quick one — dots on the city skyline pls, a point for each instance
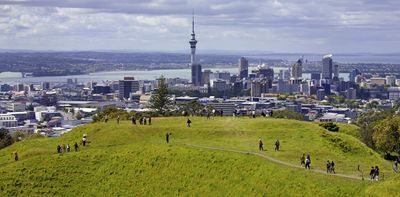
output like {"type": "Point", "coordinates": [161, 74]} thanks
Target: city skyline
{"type": "Point", "coordinates": [270, 26]}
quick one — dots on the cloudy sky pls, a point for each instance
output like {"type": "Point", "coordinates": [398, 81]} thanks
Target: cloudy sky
{"type": "Point", "coordinates": [301, 26]}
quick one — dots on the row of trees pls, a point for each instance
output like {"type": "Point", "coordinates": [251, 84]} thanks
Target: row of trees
{"type": "Point", "coordinates": [386, 135]}
{"type": "Point", "coordinates": [368, 121]}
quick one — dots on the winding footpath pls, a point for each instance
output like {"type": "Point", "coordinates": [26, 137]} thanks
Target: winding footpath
{"type": "Point", "coordinates": [273, 160]}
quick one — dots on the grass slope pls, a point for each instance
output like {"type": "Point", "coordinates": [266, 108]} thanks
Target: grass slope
{"type": "Point", "coordinates": [126, 160]}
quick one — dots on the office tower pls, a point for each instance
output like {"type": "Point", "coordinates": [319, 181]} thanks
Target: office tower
{"type": "Point", "coordinates": [351, 94]}
{"type": "Point", "coordinates": [206, 76]}
{"type": "Point", "coordinates": [195, 66]}
{"type": "Point", "coordinates": [265, 72]}
{"type": "Point", "coordinates": [127, 86]}
{"type": "Point", "coordinates": [320, 94]}
{"type": "Point", "coordinates": [315, 76]}
{"type": "Point", "coordinates": [336, 71]}
{"type": "Point", "coordinates": [327, 68]}
{"type": "Point", "coordinates": [255, 89]}
{"type": "Point", "coordinates": [45, 86]}
{"type": "Point", "coordinates": [297, 70]}
{"type": "Point", "coordinates": [243, 68]}
{"type": "Point", "coordinates": [353, 74]}
{"type": "Point", "coordinates": [284, 74]}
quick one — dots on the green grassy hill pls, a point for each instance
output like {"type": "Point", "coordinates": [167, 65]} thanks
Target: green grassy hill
{"type": "Point", "coordinates": [135, 160]}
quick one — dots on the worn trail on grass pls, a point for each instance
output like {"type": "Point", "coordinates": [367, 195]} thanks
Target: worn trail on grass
{"type": "Point", "coordinates": [273, 160]}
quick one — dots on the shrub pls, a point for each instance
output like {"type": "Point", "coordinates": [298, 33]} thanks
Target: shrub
{"type": "Point", "coordinates": [330, 126]}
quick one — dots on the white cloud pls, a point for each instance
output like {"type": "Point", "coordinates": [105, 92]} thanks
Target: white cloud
{"type": "Point", "coordinates": [272, 25]}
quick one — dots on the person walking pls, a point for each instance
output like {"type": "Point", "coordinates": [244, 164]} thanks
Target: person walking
{"type": "Point", "coordinates": [145, 121]}
{"type": "Point", "coordinates": [260, 145]}
{"type": "Point", "coordinates": [167, 137]}
{"type": "Point", "coordinates": [277, 145]}
{"type": "Point", "coordinates": [372, 173]}
{"type": "Point", "coordinates": [188, 122]}
{"type": "Point", "coordinates": [328, 167]}
{"type": "Point", "coordinates": [58, 148]}
{"type": "Point", "coordinates": [15, 155]}
{"type": "Point", "coordinates": [149, 120]}
{"type": "Point", "coordinates": [308, 162]}
{"type": "Point", "coordinates": [333, 167]}
{"type": "Point", "coordinates": [84, 141]}
{"type": "Point", "coordinates": [76, 147]}
{"type": "Point", "coordinates": [133, 120]}
{"type": "Point", "coordinates": [118, 119]}
{"type": "Point", "coordinates": [303, 160]}
{"type": "Point", "coordinates": [376, 174]}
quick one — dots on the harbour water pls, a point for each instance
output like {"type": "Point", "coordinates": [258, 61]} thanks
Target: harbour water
{"type": "Point", "coordinates": [14, 77]}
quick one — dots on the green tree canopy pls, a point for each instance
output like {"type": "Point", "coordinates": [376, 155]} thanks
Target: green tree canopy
{"type": "Point", "coordinates": [160, 101]}
{"type": "Point", "coordinates": [386, 134]}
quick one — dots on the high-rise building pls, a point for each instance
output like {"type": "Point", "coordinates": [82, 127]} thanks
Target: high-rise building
{"type": "Point", "coordinates": [327, 67]}
{"type": "Point", "coordinates": [127, 86]}
{"type": "Point", "coordinates": [45, 86]}
{"type": "Point", "coordinates": [195, 66]}
{"type": "Point", "coordinates": [206, 76]}
{"type": "Point", "coordinates": [297, 70]}
{"type": "Point", "coordinates": [284, 74]}
{"type": "Point", "coordinates": [243, 68]}
{"type": "Point", "coordinates": [255, 89]}
{"type": "Point", "coordinates": [336, 71]}
{"type": "Point", "coordinates": [353, 74]}
{"type": "Point", "coordinates": [265, 72]}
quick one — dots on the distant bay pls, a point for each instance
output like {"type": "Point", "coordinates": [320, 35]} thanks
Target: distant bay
{"type": "Point", "coordinates": [15, 77]}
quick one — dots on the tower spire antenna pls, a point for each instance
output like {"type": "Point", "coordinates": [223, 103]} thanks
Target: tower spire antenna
{"type": "Point", "coordinates": [193, 20]}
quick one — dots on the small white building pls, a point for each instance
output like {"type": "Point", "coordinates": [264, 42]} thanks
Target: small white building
{"type": "Point", "coordinates": [8, 121]}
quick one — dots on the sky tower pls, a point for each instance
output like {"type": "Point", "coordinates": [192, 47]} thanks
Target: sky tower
{"type": "Point", "coordinates": [195, 66]}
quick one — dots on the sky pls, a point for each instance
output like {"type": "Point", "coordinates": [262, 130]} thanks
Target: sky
{"type": "Point", "coordinates": [292, 26]}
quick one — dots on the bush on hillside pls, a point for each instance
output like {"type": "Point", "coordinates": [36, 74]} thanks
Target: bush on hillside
{"type": "Point", "coordinates": [113, 113]}
{"type": "Point", "coordinates": [5, 138]}
{"type": "Point", "coordinates": [287, 114]}
{"type": "Point", "coordinates": [330, 126]}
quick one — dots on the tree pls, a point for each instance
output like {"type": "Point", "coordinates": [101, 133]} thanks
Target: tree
{"type": "Point", "coordinates": [5, 138]}
{"type": "Point", "coordinates": [78, 116]}
{"type": "Point", "coordinates": [386, 135]}
{"type": "Point", "coordinates": [160, 100]}
{"type": "Point", "coordinates": [367, 121]}
{"type": "Point", "coordinates": [30, 107]}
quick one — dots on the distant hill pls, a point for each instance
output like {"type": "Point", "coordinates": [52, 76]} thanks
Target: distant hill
{"type": "Point", "coordinates": [128, 160]}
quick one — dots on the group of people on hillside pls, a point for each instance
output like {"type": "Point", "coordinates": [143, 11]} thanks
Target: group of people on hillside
{"type": "Point", "coordinates": [374, 173]}
{"type": "Point", "coordinates": [330, 167]}
{"type": "Point", "coordinates": [261, 145]}
{"type": "Point", "coordinates": [305, 161]}
{"type": "Point", "coordinates": [142, 120]}
{"type": "Point", "coordinates": [62, 148]}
